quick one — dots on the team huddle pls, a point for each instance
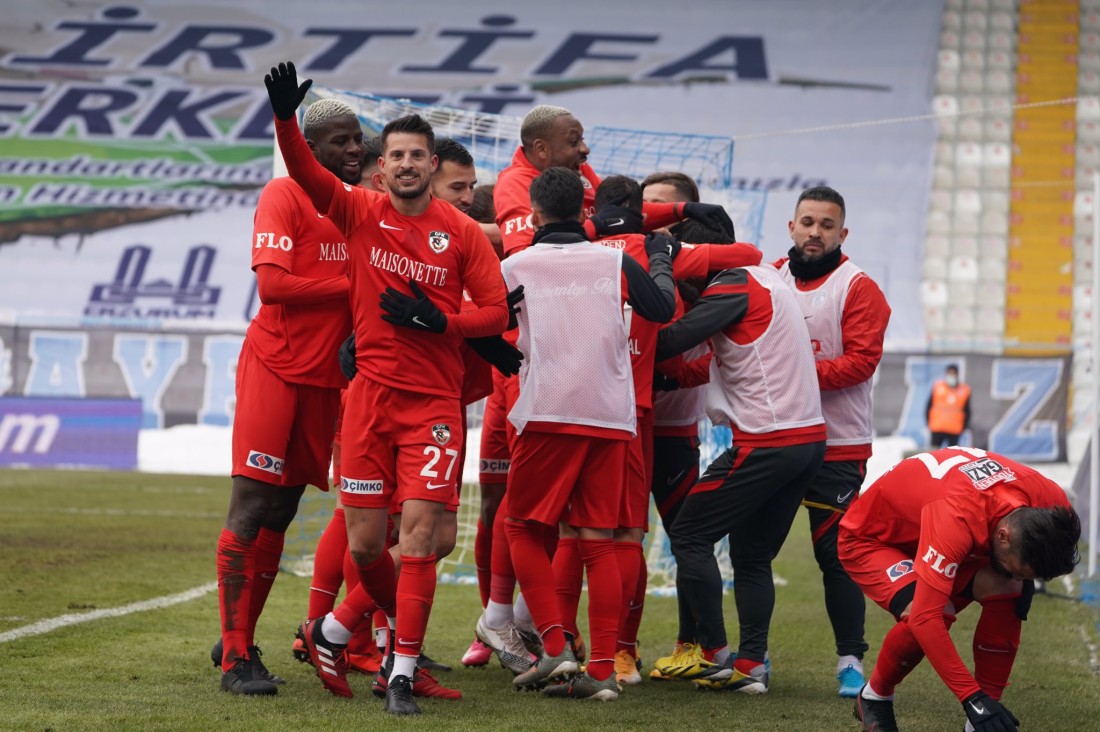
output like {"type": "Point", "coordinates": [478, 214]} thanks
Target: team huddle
{"type": "Point", "coordinates": [601, 320]}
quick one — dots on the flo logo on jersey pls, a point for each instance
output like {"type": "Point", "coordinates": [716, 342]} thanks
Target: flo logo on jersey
{"type": "Point", "coordinates": [939, 563]}
{"type": "Point", "coordinates": [354, 485]}
{"type": "Point", "coordinates": [439, 241]}
{"type": "Point", "coordinates": [441, 433]}
{"type": "Point", "coordinates": [265, 462]}
{"type": "Point", "coordinates": [899, 570]}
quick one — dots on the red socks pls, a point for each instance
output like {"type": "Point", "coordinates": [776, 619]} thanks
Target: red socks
{"type": "Point", "coordinates": [483, 557]}
{"type": "Point", "coordinates": [900, 654]}
{"type": "Point", "coordinates": [415, 593]}
{"type": "Point", "coordinates": [631, 560]}
{"type": "Point", "coordinates": [502, 586]}
{"type": "Point", "coordinates": [604, 601]}
{"type": "Point", "coordinates": [379, 579]}
{"type": "Point", "coordinates": [265, 568]}
{"type": "Point", "coordinates": [996, 640]}
{"type": "Point", "coordinates": [536, 580]}
{"type": "Point", "coordinates": [235, 559]}
{"type": "Point", "coordinates": [356, 609]}
{"type": "Point", "coordinates": [568, 577]}
{"type": "Point", "coordinates": [328, 566]}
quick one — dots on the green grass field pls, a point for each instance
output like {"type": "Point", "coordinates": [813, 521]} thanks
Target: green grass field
{"type": "Point", "coordinates": [77, 542]}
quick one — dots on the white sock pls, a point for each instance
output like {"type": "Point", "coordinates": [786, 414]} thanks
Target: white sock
{"type": "Point", "coordinates": [846, 661]}
{"type": "Point", "coordinates": [382, 638]}
{"type": "Point", "coordinates": [497, 614]}
{"type": "Point", "coordinates": [869, 693]}
{"type": "Point", "coordinates": [403, 665]}
{"type": "Point", "coordinates": [520, 611]}
{"type": "Point", "coordinates": [334, 631]}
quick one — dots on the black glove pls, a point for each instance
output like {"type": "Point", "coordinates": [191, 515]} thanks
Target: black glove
{"type": "Point", "coordinates": [614, 218]}
{"type": "Point", "coordinates": [988, 715]}
{"type": "Point", "coordinates": [664, 383]}
{"type": "Point", "coordinates": [412, 312]}
{"type": "Point", "coordinates": [712, 215]}
{"type": "Point", "coordinates": [1023, 602]}
{"type": "Point", "coordinates": [283, 90]}
{"type": "Point", "coordinates": [515, 297]}
{"type": "Point", "coordinates": [346, 354]}
{"type": "Point", "coordinates": [661, 244]}
{"type": "Point", "coordinates": [499, 352]}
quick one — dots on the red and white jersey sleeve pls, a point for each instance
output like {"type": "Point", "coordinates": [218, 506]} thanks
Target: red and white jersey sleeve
{"type": "Point", "coordinates": [299, 341]}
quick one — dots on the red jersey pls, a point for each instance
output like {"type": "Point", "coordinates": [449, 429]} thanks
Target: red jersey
{"type": "Point", "coordinates": [694, 260]}
{"type": "Point", "coordinates": [942, 507]}
{"type": "Point", "coordinates": [442, 249]}
{"type": "Point", "coordinates": [512, 199]}
{"type": "Point", "coordinates": [298, 341]}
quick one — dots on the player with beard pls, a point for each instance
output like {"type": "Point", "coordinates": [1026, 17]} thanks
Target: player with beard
{"type": "Point", "coordinates": [846, 314]}
{"type": "Point", "coordinates": [288, 387]}
{"type": "Point", "coordinates": [940, 531]}
{"type": "Point", "coordinates": [402, 423]}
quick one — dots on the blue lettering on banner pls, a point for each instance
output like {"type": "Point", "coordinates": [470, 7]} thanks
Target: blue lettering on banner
{"type": "Point", "coordinates": [265, 462]}
{"type": "Point", "coordinates": [190, 297]}
{"type": "Point", "coordinates": [57, 359]}
{"type": "Point", "coordinates": [348, 41]}
{"type": "Point", "coordinates": [1030, 383]}
{"type": "Point", "coordinates": [219, 394]}
{"type": "Point", "coordinates": [191, 39]}
{"type": "Point", "coordinates": [354, 485]}
{"type": "Point", "coordinates": [475, 43]}
{"type": "Point", "coordinates": [93, 108]}
{"type": "Point", "coordinates": [148, 363]}
{"type": "Point", "coordinates": [93, 34]}
{"type": "Point", "coordinates": [74, 433]}
{"type": "Point", "coordinates": [921, 372]}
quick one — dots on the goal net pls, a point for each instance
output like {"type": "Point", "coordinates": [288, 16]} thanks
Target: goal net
{"type": "Point", "coordinates": [492, 139]}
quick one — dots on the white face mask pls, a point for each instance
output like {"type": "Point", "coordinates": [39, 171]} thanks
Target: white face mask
{"type": "Point", "coordinates": [952, 381]}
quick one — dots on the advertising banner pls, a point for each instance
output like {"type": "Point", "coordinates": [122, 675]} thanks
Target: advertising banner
{"type": "Point", "coordinates": [41, 432]}
{"type": "Point", "coordinates": [135, 136]}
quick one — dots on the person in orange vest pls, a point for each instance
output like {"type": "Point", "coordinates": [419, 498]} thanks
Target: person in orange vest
{"type": "Point", "coordinates": [948, 410]}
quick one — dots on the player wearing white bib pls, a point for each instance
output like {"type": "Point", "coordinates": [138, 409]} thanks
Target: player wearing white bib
{"type": "Point", "coordinates": [574, 419]}
{"type": "Point", "coordinates": [763, 386]}
{"type": "Point", "coordinates": [846, 315]}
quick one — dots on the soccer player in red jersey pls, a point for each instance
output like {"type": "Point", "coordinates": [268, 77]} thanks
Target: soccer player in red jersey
{"type": "Point", "coordinates": [763, 385]}
{"type": "Point", "coordinates": [938, 532]}
{"type": "Point", "coordinates": [846, 315]}
{"type": "Point", "coordinates": [288, 387]}
{"type": "Point", "coordinates": [574, 418]}
{"type": "Point", "coordinates": [402, 433]}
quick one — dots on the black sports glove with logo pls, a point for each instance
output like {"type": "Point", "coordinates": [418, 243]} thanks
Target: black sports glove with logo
{"type": "Point", "coordinates": [417, 312]}
{"type": "Point", "coordinates": [614, 218]}
{"type": "Point", "coordinates": [499, 352]}
{"type": "Point", "coordinates": [988, 715]}
{"type": "Point", "coordinates": [283, 90]}
{"type": "Point", "coordinates": [661, 244]}
{"type": "Point", "coordinates": [712, 215]}
{"type": "Point", "coordinates": [346, 354]}
{"type": "Point", "coordinates": [515, 297]}
{"type": "Point", "coordinates": [1023, 602]}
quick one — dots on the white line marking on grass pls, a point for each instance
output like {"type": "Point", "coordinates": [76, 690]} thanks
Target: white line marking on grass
{"type": "Point", "coordinates": [1094, 652]}
{"type": "Point", "coordinates": [45, 626]}
{"type": "Point", "coordinates": [146, 513]}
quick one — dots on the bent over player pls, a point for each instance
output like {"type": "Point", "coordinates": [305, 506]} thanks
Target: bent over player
{"type": "Point", "coordinates": [938, 532]}
{"type": "Point", "coordinates": [410, 257]}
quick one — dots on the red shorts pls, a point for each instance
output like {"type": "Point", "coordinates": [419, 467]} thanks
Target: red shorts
{"type": "Point", "coordinates": [282, 432]}
{"type": "Point", "coordinates": [509, 390]}
{"type": "Point", "coordinates": [634, 511]}
{"type": "Point", "coordinates": [884, 571]}
{"type": "Point", "coordinates": [495, 456]}
{"type": "Point", "coordinates": [398, 445]}
{"type": "Point", "coordinates": [570, 478]}
{"type": "Point", "coordinates": [336, 439]}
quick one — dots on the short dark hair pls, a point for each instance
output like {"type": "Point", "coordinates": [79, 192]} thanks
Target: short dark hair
{"type": "Point", "coordinates": [822, 193]}
{"type": "Point", "coordinates": [558, 193]}
{"type": "Point", "coordinates": [483, 209]}
{"type": "Point", "coordinates": [412, 124]}
{"type": "Point", "coordinates": [449, 149]}
{"type": "Point", "coordinates": [682, 182]}
{"type": "Point", "coordinates": [694, 232]}
{"type": "Point", "coordinates": [951, 367]}
{"type": "Point", "coordinates": [1046, 539]}
{"type": "Point", "coordinates": [619, 186]}
{"type": "Point", "coordinates": [372, 149]}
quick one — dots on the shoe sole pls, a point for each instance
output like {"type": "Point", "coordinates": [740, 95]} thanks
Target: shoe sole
{"type": "Point", "coordinates": [507, 659]}
{"type": "Point", "coordinates": [628, 679]}
{"type": "Point", "coordinates": [563, 669]}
